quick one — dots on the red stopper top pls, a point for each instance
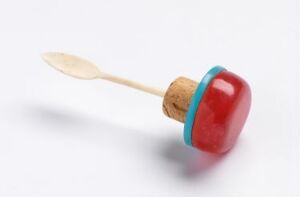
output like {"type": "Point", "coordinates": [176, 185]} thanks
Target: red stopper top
{"type": "Point", "coordinates": [222, 113]}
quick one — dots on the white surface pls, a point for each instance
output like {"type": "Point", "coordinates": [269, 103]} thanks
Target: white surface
{"type": "Point", "coordinates": [64, 137]}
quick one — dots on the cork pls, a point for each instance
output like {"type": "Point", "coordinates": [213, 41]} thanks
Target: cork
{"type": "Point", "coordinates": [178, 97]}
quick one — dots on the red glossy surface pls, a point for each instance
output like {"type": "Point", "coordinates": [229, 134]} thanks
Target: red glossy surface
{"type": "Point", "coordinates": [222, 113]}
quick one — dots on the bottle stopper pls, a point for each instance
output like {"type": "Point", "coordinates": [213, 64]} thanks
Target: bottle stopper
{"type": "Point", "coordinates": [213, 111]}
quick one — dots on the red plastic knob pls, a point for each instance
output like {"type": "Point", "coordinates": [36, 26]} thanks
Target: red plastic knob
{"type": "Point", "coordinates": [222, 113]}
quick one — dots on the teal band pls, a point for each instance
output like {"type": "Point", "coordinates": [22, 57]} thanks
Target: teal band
{"type": "Point", "coordinates": [188, 126]}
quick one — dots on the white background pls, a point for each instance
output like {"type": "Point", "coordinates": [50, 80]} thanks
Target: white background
{"type": "Point", "coordinates": [64, 137]}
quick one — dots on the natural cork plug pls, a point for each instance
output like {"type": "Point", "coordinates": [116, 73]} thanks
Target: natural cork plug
{"type": "Point", "coordinates": [178, 97]}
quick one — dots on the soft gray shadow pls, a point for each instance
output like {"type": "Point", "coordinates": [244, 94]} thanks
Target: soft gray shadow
{"type": "Point", "coordinates": [55, 117]}
{"type": "Point", "coordinates": [188, 162]}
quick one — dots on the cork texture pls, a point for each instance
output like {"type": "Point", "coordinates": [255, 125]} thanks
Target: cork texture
{"type": "Point", "coordinates": [178, 98]}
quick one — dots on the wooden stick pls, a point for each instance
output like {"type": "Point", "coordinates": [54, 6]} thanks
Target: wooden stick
{"type": "Point", "coordinates": [133, 84]}
{"type": "Point", "coordinates": [83, 69]}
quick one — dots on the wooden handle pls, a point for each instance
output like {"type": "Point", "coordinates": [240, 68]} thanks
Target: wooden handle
{"type": "Point", "coordinates": [132, 84]}
{"type": "Point", "coordinates": [83, 69]}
